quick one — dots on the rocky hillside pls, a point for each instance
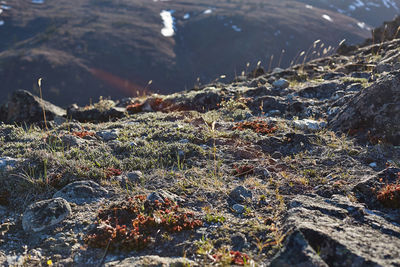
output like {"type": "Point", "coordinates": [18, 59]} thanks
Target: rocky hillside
{"type": "Point", "coordinates": [89, 48]}
{"type": "Point", "coordinates": [295, 167]}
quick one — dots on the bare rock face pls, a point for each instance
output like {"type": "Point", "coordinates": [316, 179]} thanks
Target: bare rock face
{"type": "Point", "coordinates": [374, 113]}
{"type": "Point", "coordinates": [25, 107]}
{"type": "Point", "coordinates": [44, 214]}
{"type": "Point", "coordinates": [337, 232]}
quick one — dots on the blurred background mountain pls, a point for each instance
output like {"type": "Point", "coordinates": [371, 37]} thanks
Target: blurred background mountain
{"type": "Point", "coordinates": [89, 48]}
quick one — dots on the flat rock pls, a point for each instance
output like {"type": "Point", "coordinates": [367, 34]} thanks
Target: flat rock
{"type": "Point", "coordinates": [44, 214]}
{"type": "Point", "coordinates": [152, 261]}
{"type": "Point", "coordinates": [26, 107]}
{"type": "Point", "coordinates": [240, 194]}
{"type": "Point", "coordinates": [281, 83]}
{"type": "Point", "coordinates": [108, 135]}
{"type": "Point", "coordinates": [81, 192]}
{"type": "Point", "coordinates": [328, 232]}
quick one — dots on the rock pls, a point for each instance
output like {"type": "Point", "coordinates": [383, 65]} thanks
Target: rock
{"type": "Point", "coordinates": [238, 208]}
{"type": "Point", "coordinates": [309, 125]}
{"type": "Point", "coordinates": [374, 112]}
{"type": "Point", "coordinates": [281, 84]}
{"type": "Point", "coordinates": [81, 192]}
{"type": "Point", "coordinates": [383, 67]}
{"type": "Point", "coordinates": [152, 261]}
{"type": "Point", "coordinates": [238, 241]}
{"type": "Point", "coordinates": [160, 195]}
{"type": "Point", "coordinates": [23, 107]}
{"type": "Point", "coordinates": [44, 214]}
{"type": "Point", "coordinates": [71, 140]}
{"type": "Point", "coordinates": [321, 91]}
{"type": "Point", "coordinates": [297, 253]}
{"type": "Point", "coordinates": [131, 178]}
{"type": "Point", "coordinates": [8, 163]}
{"type": "Point", "coordinates": [332, 231]}
{"type": "Point", "coordinates": [108, 135]}
{"type": "Point", "coordinates": [95, 114]}
{"type": "Point", "coordinates": [240, 194]}
{"type": "Point", "coordinates": [370, 185]}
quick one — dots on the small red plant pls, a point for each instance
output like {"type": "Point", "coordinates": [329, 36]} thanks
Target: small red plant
{"type": "Point", "coordinates": [389, 195]}
{"type": "Point", "coordinates": [237, 257]}
{"type": "Point", "coordinates": [83, 134]}
{"type": "Point", "coordinates": [132, 224]}
{"type": "Point", "coordinates": [258, 126]}
{"type": "Point", "coordinates": [111, 172]}
{"type": "Point", "coordinates": [243, 170]}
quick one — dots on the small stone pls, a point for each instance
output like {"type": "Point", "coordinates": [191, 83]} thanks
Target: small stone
{"type": "Point", "coordinates": [373, 165]}
{"type": "Point", "coordinates": [44, 214]}
{"type": "Point", "coordinates": [238, 208]}
{"type": "Point", "coordinates": [383, 67]}
{"type": "Point", "coordinates": [108, 135]}
{"type": "Point", "coordinates": [240, 194]}
{"type": "Point", "coordinates": [309, 125]}
{"type": "Point", "coordinates": [81, 192]}
{"type": "Point", "coordinates": [276, 155]}
{"type": "Point", "coordinates": [281, 83]}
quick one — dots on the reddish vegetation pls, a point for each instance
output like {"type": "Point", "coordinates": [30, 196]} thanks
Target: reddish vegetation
{"type": "Point", "coordinates": [110, 172]}
{"type": "Point", "coordinates": [243, 170]}
{"type": "Point", "coordinates": [258, 126]}
{"type": "Point", "coordinates": [132, 224]}
{"type": "Point", "coordinates": [83, 134]}
{"type": "Point", "coordinates": [237, 257]}
{"type": "Point", "coordinates": [389, 195]}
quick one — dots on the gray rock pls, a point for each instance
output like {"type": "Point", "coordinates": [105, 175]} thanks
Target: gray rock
{"type": "Point", "coordinates": [309, 125]}
{"type": "Point", "coordinates": [238, 208]}
{"type": "Point", "coordinates": [81, 192]}
{"type": "Point", "coordinates": [238, 241]}
{"type": "Point", "coordinates": [373, 112]}
{"type": "Point", "coordinates": [108, 135]}
{"type": "Point", "coordinates": [44, 214]}
{"type": "Point", "coordinates": [25, 107]}
{"type": "Point", "coordinates": [241, 194]}
{"type": "Point", "coordinates": [8, 162]}
{"type": "Point", "coordinates": [338, 232]}
{"type": "Point", "coordinates": [383, 67]}
{"type": "Point", "coordinates": [161, 195]}
{"type": "Point", "coordinates": [152, 261]}
{"type": "Point", "coordinates": [281, 83]}
{"type": "Point", "coordinates": [71, 140]}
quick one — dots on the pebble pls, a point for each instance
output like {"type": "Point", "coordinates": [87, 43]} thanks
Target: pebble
{"type": "Point", "coordinates": [238, 208]}
{"type": "Point", "coordinates": [108, 135]}
{"type": "Point", "coordinates": [240, 194]}
{"type": "Point", "coordinates": [281, 83]}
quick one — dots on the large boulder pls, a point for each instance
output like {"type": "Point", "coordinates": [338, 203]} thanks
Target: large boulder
{"type": "Point", "coordinates": [26, 107]}
{"type": "Point", "coordinates": [374, 113]}
{"type": "Point", "coordinates": [337, 232]}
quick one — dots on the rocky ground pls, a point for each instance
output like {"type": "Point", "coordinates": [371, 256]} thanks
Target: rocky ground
{"type": "Point", "coordinates": [298, 167]}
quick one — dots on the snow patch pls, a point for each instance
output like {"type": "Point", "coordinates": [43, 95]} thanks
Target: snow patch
{"type": "Point", "coordinates": [309, 6]}
{"type": "Point", "coordinates": [326, 17]}
{"type": "Point", "coordinates": [168, 20]}
{"type": "Point", "coordinates": [38, 1]}
{"type": "Point", "coordinates": [186, 16]}
{"type": "Point", "coordinates": [207, 11]}
{"type": "Point", "coordinates": [1, 22]}
{"type": "Point", "coordinates": [236, 28]}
